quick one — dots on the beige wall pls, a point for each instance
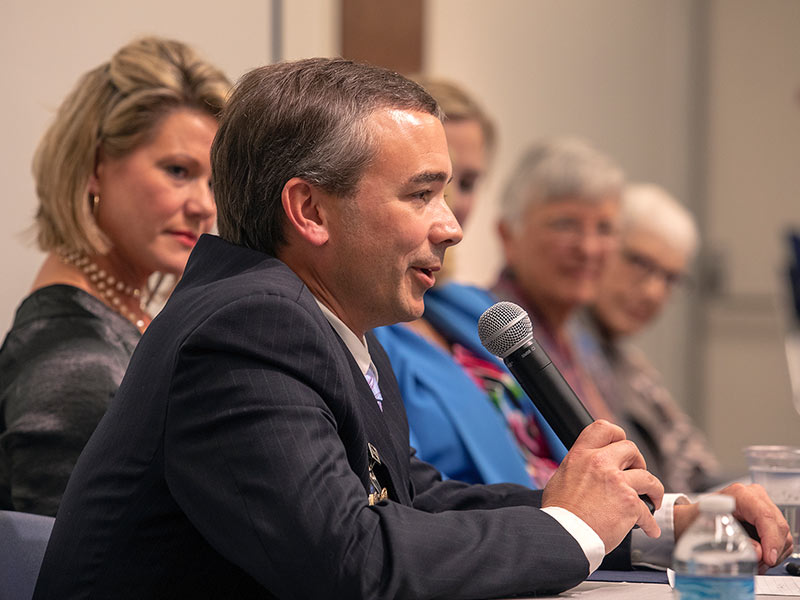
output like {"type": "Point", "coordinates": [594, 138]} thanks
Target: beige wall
{"type": "Point", "coordinates": [752, 183]}
{"type": "Point", "coordinates": [310, 28]}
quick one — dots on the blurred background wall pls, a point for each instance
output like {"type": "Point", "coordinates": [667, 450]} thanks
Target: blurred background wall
{"type": "Point", "coordinates": [698, 96]}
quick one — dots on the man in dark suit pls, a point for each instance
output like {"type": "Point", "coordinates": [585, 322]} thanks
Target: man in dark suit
{"type": "Point", "coordinates": [257, 447]}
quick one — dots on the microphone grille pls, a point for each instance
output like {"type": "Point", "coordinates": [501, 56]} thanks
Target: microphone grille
{"type": "Point", "coordinates": [504, 327]}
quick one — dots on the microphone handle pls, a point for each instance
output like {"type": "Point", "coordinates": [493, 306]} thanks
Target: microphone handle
{"type": "Point", "coordinates": [556, 400]}
{"type": "Point", "coordinates": [549, 391]}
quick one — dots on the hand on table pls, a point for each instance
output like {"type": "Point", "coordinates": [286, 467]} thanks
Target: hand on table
{"type": "Point", "coordinates": [752, 506]}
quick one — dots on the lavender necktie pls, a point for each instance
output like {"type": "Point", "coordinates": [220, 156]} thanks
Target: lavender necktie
{"type": "Point", "coordinates": [372, 380]}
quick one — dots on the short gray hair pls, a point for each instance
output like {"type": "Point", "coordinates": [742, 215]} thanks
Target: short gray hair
{"type": "Point", "coordinates": [556, 169]}
{"type": "Point", "coordinates": [650, 207]}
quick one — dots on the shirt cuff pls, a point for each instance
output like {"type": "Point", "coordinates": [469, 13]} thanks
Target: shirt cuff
{"type": "Point", "coordinates": [657, 552]}
{"type": "Point", "coordinates": [591, 544]}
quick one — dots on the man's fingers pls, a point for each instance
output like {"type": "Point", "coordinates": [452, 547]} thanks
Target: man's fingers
{"type": "Point", "coordinates": [617, 451]}
{"type": "Point", "coordinates": [754, 506]}
{"type": "Point", "coordinates": [599, 434]}
{"type": "Point", "coordinates": [647, 522]}
{"type": "Point", "coordinates": [623, 455]}
{"type": "Point", "coordinates": [647, 484]}
{"type": "Point", "coordinates": [772, 533]}
{"type": "Point", "coordinates": [640, 482]}
{"type": "Point", "coordinates": [762, 566]}
{"type": "Point", "coordinates": [757, 548]}
{"type": "Point", "coordinates": [788, 546]}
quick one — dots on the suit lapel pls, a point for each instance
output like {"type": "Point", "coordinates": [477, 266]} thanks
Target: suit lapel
{"type": "Point", "coordinates": [380, 429]}
{"type": "Point", "coordinates": [394, 416]}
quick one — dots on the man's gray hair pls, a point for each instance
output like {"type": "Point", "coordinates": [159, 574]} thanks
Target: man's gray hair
{"type": "Point", "coordinates": [562, 168]}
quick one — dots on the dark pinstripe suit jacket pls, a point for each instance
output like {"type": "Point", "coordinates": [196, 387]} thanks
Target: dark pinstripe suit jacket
{"type": "Point", "coordinates": [233, 463]}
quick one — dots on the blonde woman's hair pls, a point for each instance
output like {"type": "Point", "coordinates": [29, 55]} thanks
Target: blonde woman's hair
{"type": "Point", "coordinates": [113, 109]}
{"type": "Point", "coordinates": [458, 105]}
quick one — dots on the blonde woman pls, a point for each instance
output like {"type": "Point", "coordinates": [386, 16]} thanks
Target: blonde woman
{"type": "Point", "coordinates": [123, 180]}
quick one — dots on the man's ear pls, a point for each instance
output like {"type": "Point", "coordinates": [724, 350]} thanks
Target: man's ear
{"type": "Point", "coordinates": [305, 211]}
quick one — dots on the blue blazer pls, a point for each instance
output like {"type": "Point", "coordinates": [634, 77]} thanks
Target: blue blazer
{"type": "Point", "coordinates": [453, 424]}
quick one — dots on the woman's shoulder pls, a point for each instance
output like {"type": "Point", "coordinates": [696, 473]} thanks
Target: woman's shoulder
{"type": "Point", "coordinates": [62, 324]}
{"type": "Point", "coordinates": [56, 301]}
{"type": "Point", "coordinates": [62, 358]}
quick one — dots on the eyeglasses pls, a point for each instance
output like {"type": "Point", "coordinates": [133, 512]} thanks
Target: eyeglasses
{"type": "Point", "coordinates": [644, 267]}
{"type": "Point", "coordinates": [573, 231]}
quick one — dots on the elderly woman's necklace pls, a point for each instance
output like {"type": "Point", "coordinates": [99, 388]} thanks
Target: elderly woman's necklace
{"type": "Point", "coordinates": [107, 286]}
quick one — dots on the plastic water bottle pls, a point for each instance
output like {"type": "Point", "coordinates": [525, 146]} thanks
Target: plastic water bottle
{"type": "Point", "coordinates": [714, 558]}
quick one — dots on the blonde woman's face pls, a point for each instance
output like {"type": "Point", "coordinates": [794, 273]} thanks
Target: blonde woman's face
{"type": "Point", "coordinates": [157, 200]}
{"type": "Point", "coordinates": [467, 149]}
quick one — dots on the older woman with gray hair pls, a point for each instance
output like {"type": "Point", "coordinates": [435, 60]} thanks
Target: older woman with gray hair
{"type": "Point", "coordinates": [658, 238]}
{"type": "Point", "coordinates": [558, 224]}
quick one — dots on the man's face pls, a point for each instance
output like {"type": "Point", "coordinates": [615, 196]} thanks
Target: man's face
{"type": "Point", "coordinates": [559, 249]}
{"type": "Point", "coordinates": [388, 240]}
{"type": "Point", "coordinates": [637, 281]}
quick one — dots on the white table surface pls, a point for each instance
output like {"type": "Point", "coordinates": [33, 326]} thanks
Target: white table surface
{"type": "Point", "coordinates": [605, 590]}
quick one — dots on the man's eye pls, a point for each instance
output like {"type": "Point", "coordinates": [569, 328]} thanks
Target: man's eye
{"type": "Point", "coordinates": [422, 195]}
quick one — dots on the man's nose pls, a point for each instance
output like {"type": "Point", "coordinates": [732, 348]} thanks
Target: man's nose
{"type": "Point", "coordinates": [446, 229]}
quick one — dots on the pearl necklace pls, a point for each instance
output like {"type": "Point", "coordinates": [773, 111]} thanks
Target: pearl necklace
{"type": "Point", "coordinates": [106, 285]}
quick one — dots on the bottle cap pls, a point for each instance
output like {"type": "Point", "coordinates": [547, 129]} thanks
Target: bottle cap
{"type": "Point", "coordinates": [717, 503]}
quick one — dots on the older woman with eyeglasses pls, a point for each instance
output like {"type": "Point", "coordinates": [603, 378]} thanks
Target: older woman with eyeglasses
{"type": "Point", "coordinates": [658, 238]}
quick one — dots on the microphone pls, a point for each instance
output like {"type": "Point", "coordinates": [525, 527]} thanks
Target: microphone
{"type": "Point", "coordinates": [506, 331]}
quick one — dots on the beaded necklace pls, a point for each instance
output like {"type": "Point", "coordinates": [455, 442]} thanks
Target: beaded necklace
{"type": "Point", "coordinates": [106, 285]}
